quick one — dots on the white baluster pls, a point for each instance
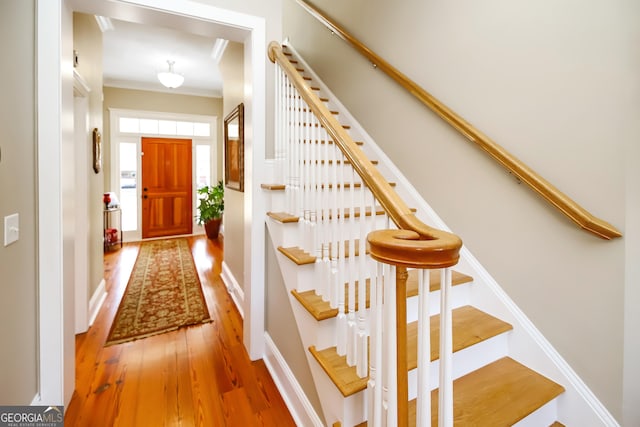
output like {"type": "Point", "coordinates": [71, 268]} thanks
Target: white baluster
{"type": "Point", "coordinates": [423, 404]}
{"type": "Point", "coordinates": [337, 248]}
{"type": "Point", "coordinates": [445, 394]}
{"type": "Point", "coordinates": [375, 364]}
{"type": "Point", "coordinates": [362, 353]}
{"type": "Point", "coordinates": [352, 273]}
{"type": "Point", "coordinates": [390, 365]}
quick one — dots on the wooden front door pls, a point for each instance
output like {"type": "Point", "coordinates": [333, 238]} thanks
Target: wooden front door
{"type": "Point", "coordinates": [166, 187]}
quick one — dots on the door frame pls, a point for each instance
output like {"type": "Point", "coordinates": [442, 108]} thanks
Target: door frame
{"type": "Point", "coordinates": [117, 136]}
{"type": "Point", "coordinates": [54, 20]}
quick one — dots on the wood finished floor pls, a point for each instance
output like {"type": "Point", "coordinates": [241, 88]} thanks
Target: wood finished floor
{"type": "Point", "coordinates": [195, 376]}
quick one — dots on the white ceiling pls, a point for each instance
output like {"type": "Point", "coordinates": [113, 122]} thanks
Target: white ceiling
{"type": "Point", "coordinates": [142, 40]}
{"type": "Point", "coordinates": [135, 53]}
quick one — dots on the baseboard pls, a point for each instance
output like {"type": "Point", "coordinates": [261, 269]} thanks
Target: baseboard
{"type": "Point", "coordinates": [294, 397]}
{"type": "Point", "coordinates": [233, 287]}
{"type": "Point", "coordinates": [96, 301]}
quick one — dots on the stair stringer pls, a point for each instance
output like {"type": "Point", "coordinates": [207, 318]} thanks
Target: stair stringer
{"type": "Point", "coordinates": [335, 407]}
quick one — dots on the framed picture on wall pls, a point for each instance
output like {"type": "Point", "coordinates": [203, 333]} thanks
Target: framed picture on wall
{"type": "Point", "coordinates": [234, 149]}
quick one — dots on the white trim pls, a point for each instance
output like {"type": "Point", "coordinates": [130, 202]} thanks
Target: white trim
{"type": "Point", "coordinates": [97, 299]}
{"type": "Point", "coordinates": [233, 287]}
{"type": "Point", "coordinates": [255, 54]}
{"type": "Point", "coordinates": [294, 397]}
{"type": "Point", "coordinates": [49, 136]}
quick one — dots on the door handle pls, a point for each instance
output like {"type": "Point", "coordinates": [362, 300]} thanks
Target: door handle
{"type": "Point", "coordinates": [145, 189]}
{"type": "Point", "coordinates": [145, 196]}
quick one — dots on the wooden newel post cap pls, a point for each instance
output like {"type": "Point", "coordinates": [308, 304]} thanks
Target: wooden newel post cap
{"type": "Point", "coordinates": [407, 248]}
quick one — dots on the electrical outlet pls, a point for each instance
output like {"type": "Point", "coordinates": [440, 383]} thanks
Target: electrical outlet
{"type": "Point", "coordinates": [11, 229]}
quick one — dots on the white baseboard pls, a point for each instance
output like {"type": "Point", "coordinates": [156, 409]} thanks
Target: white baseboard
{"type": "Point", "coordinates": [294, 397]}
{"type": "Point", "coordinates": [233, 287]}
{"type": "Point", "coordinates": [96, 301]}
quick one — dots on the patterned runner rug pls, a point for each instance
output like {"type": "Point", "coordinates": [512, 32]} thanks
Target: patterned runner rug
{"type": "Point", "coordinates": [163, 293]}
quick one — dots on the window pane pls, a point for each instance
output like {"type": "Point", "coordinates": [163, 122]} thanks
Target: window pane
{"type": "Point", "coordinates": [203, 165]}
{"type": "Point", "coordinates": [203, 168]}
{"type": "Point", "coordinates": [201, 129]}
{"type": "Point", "coordinates": [128, 125]}
{"type": "Point", "coordinates": [185, 128]}
{"type": "Point", "coordinates": [167, 127]}
{"type": "Point", "coordinates": [149, 126]}
{"type": "Point", "coordinates": [128, 184]}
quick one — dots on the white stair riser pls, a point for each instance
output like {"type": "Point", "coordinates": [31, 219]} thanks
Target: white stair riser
{"type": "Point", "coordinates": [464, 361]}
{"type": "Point", "coordinates": [544, 416]}
{"type": "Point", "coordinates": [350, 411]}
{"type": "Point", "coordinates": [459, 298]}
{"type": "Point", "coordinates": [319, 334]}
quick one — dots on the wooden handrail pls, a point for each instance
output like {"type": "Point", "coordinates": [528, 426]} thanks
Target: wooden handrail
{"type": "Point", "coordinates": [544, 188]}
{"type": "Point", "coordinates": [435, 248]}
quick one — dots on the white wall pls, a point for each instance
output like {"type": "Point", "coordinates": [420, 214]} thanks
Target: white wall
{"type": "Point", "coordinates": [550, 81]}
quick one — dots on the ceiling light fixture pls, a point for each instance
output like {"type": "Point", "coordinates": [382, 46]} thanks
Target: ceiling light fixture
{"type": "Point", "coordinates": [170, 78]}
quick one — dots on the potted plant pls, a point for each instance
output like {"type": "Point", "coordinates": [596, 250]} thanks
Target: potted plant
{"type": "Point", "coordinates": [210, 208]}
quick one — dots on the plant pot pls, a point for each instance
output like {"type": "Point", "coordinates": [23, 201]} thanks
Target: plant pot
{"type": "Point", "coordinates": [212, 228]}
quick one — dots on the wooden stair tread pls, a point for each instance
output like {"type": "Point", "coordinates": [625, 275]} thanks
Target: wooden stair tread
{"type": "Point", "coordinates": [321, 310]}
{"type": "Point", "coordinates": [283, 217]}
{"type": "Point", "coordinates": [308, 110]}
{"type": "Point", "coordinates": [342, 375]}
{"type": "Point", "coordinates": [470, 326]}
{"type": "Point", "coordinates": [300, 257]}
{"type": "Point", "coordinates": [297, 255]}
{"type": "Point", "coordinates": [357, 212]}
{"type": "Point", "coordinates": [498, 395]}
{"type": "Point", "coordinates": [339, 162]}
{"type": "Point", "coordinates": [557, 424]}
{"type": "Point", "coordinates": [330, 142]}
{"type": "Point", "coordinates": [273, 187]}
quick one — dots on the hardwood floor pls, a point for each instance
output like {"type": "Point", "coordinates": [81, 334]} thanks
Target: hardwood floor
{"type": "Point", "coordinates": [195, 376]}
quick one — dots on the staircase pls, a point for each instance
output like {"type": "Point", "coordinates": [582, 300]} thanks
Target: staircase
{"type": "Point", "coordinates": [332, 281]}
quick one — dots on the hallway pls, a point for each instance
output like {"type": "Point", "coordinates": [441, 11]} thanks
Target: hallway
{"type": "Point", "coordinates": [195, 376]}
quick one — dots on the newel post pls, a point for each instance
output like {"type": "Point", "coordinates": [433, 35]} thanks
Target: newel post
{"type": "Point", "coordinates": [407, 249]}
{"type": "Point", "coordinates": [401, 346]}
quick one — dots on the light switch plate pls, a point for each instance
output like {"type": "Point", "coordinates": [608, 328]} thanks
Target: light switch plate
{"type": "Point", "coordinates": [11, 229]}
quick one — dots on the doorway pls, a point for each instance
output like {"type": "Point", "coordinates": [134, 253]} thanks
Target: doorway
{"type": "Point", "coordinates": [55, 107]}
{"type": "Point", "coordinates": [166, 187]}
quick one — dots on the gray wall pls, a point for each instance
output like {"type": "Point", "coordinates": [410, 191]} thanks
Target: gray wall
{"type": "Point", "coordinates": [18, 308]}
{"type": "Point", "coordinates": [554, 84]}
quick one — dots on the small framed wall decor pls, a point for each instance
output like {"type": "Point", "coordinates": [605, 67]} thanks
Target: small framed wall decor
{"type": "Point", "coordinates": [234, 149]}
